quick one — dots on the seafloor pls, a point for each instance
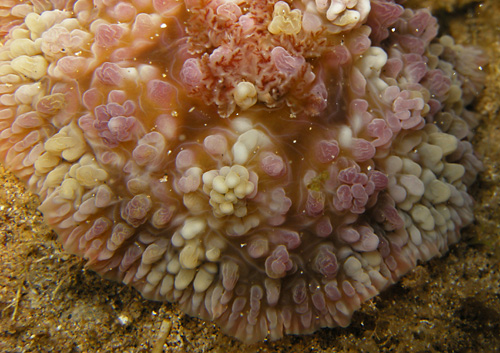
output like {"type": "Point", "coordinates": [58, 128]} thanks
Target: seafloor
{"type": "Point", "coordinates": [50, 303]}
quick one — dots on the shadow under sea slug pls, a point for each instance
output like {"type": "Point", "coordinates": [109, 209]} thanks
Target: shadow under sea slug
{"type": "Point", "coordinates": [268, 165]}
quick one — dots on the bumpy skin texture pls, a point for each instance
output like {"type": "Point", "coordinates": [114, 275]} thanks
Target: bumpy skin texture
{"type": "Point", "coordinates": [266, 165]}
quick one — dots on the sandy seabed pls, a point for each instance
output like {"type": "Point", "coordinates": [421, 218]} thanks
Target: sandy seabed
{"type": "Point", "coordinates": [50, 303]}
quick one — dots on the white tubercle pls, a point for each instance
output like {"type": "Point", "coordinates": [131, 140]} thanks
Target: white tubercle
{"type": "Point", "coordinates": [370, 65]}
{"type": "Point", "coordinates": [343, 14]}
{"type": "Point", "coordinates": [191, 255]}
{"type": "Point", "coordinates": [192, 227]}
{"type": "Point", "coordinates": [202, 280]}
{"type": "Point", "coordinates": [345, 137]}
{"type": "Point", "coordinates": [248, 142]}
{"type": "Point", "coordinates": [227, 189]}
{"type": "Point", "coordinates": [285, 20]}
{"type": "Point", "coordinates": [245, 95]}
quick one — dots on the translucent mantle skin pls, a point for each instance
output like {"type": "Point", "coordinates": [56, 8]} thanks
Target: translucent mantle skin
{"type": "Point", "coordinates": [267, 166]}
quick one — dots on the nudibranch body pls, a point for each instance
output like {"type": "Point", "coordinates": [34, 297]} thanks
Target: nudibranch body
{"type": "Point", "coordinates": [268, 165]}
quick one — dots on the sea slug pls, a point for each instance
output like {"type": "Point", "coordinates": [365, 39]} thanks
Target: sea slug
{"type": "Point", "coordinates": [268, 165]}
